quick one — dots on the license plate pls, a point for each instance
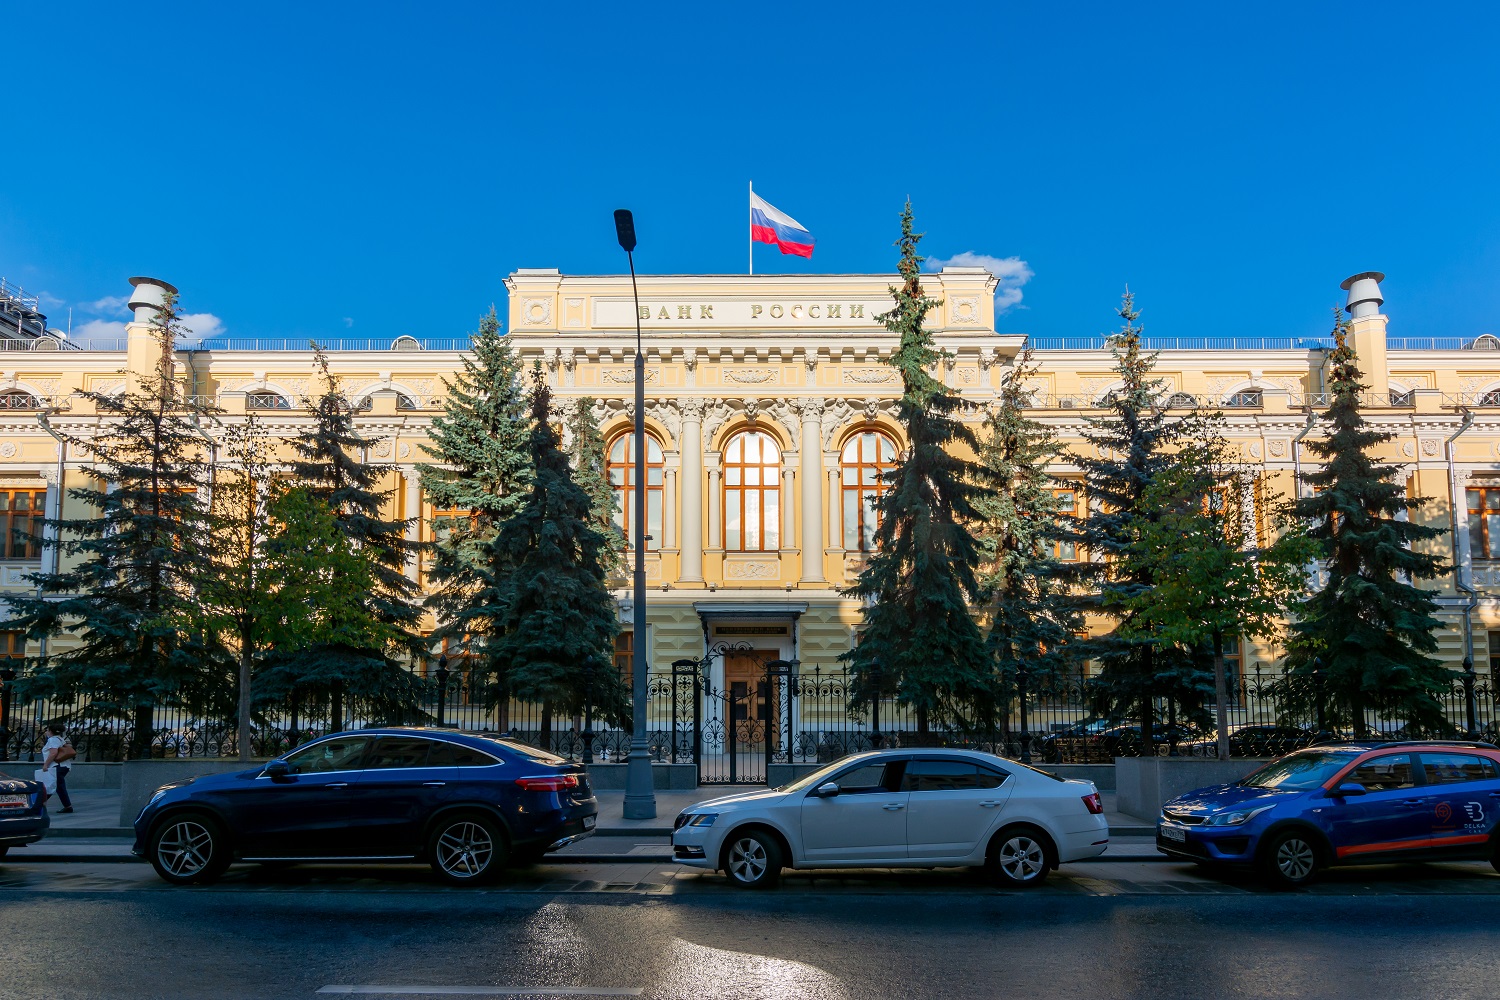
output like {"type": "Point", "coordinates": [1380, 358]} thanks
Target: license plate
{"type": "Point", "coordinates": [588, 822]}
{"type": "Point", "coordinates": [1172, 833]}
{"type": "Point", "coordinates": [13, 801]}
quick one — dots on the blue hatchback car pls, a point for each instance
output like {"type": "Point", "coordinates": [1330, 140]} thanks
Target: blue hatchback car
{"type": "Point", "coordinates": [1344, 804]}
{"type": "Point", "coordinates": [465, 803]}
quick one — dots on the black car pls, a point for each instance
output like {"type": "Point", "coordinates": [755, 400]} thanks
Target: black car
{"type": "Point", "coordinates": [23, 813]}
{"type": "Point", "coordinates": [1102, 742]}
{"type": "Point", "coordinates": [1249, 741]}
{"type": "Point", "coordinates": [467, 804]}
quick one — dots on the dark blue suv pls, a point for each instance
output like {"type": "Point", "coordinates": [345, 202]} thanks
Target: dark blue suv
{"type": "Point", "coordinates": [1344, 804]}
{"type": "Point", "coordinates": [467, 804]}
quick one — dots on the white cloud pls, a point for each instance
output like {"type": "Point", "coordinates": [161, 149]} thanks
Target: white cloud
{"type": "Point", "coordinates": [98, 330]}
{"type": "Point", "coordinates": [200, 325]}
{"type": "Point", "coordinates": [105, 306]}
{"type": "Point", "coordinates": [348, 322]}
{"type": "Point", "coordinates": [1013, 273]}
{"type": "Point", "coordinates": [49, 301]}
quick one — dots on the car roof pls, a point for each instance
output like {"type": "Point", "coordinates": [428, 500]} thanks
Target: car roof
{"type": "Point", "coordinates": [1366, 746]}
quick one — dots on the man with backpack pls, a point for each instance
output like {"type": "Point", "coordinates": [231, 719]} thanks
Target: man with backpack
{"type": "Point", "coordinates": [58, 752]}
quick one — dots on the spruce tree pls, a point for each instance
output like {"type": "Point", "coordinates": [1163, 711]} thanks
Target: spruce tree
{"type": "Point", "coordinates": [1033, 614]}
{"type": "Point", "coordinates": [130, 601]}
{"type": "Point", "coordinates": [590, 471]}
{"type": "Point", "coordinates": [1129, 453]}
{"type": "Point", "coordinates": [1212, 580]}
{"type": "Point", "coordinates": [1367, 631]}
{"type": "Point", "coordinates": [548, 624]}
{"type": "Point", "coordinates": [919, 638]}
{"type": "Point", "coordinates": [330, 466]}
{"type": "Point", "coordinates": [483, 465]}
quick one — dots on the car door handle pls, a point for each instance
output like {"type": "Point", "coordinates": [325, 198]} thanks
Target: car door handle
{"type": "Point", "coordinates": [1410, 803]}
{"type": "Point", "coordinates": [988, 805]}
{"type": "Point", "coordinates": [433, 784]}
{"type": "Point", "coordinates": [893, 807]}
{"type": "Point", "coordinates": [337, 784]}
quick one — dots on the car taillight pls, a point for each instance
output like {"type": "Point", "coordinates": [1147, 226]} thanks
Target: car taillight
{"type": "Point", "coordinates": [1093, 803]}
{"type": "Point", "coordinates": [548, 782]}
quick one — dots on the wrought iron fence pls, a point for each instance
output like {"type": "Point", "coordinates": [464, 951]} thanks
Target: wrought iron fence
{"type": "Point", "coordinates": [786, 714]}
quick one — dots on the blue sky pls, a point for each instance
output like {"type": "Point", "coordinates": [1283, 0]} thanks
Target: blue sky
{"type": "Point", "coordinates": [329, 169]}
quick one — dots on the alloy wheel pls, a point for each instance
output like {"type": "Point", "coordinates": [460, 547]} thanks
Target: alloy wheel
{"type": "Point", "coordinates": [1022, 859]}
{"type": "Point", "coordinates": [1295, 859]}
{"type": "Point", "coordinates": [465, 850]}
{"type": "Point", "coordinates": [186, 848]}
{"type": "Point", "coordinates": [747, 860]}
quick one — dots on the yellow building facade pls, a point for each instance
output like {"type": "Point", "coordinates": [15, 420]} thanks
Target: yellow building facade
{"type": "Point", "coordinates": [770, 413]}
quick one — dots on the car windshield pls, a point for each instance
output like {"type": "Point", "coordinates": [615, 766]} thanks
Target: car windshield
{"type": "Point", "coordinates": [814, 777]}
{"type": "Point", "coordinates": [1298, 772]}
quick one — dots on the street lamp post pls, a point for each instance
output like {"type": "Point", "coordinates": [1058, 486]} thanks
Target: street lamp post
{"type": "Point", "coordinates": [442, 679]}
{"type": "Point", "coordinates": [640, 795]}
{"type": "Point", "coordinates": [6, 677]}
{"type": "Point", "coordinates": [1021, 677]}
{"type": "Point", "coordinates": [1471, 715]}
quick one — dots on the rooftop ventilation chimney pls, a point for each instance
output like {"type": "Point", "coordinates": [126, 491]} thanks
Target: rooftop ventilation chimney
{"type": "Point", "coordinates": [1364, 294]}
{"type": "Point", "coordinates": [149, 296]}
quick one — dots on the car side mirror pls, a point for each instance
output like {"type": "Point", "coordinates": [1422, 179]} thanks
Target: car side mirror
{"type": "Point", "coordinates": [828, 790]}
{"type": "Point", "coordinates": [1348, 788]}
{"type": "Point", "coordinates": [276, 770]}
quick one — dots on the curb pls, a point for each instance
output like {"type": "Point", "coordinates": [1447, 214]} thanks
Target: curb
{"type": "Point", "coordinates": [560, 859]}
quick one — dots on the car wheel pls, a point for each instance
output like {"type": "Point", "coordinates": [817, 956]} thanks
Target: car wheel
{"type": "Point", "coordinates": [752, 859]}
{"type": "Point", "coordinates": [1020, 857]}
{"type": "Point", "coordinates": [188, 848]}
{"type": "Point", "coordinates": [1289, 860]}
{"type": "Point", "coordinates": [467, 850]}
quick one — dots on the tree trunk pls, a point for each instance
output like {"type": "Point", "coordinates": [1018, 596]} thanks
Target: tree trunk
{"type": "Point", "coordinates": [145, 721]}
{"type": "Point", "coordinates": [244, 720]}
{"type": "Point", "coordinates": [1148, 707]}
{"type": "Point", "coordinates": [336, 707]}
{"type": "Point", "coordinates": [1221, 692]}
{"type": "Point", "coordinates": [546, 732]}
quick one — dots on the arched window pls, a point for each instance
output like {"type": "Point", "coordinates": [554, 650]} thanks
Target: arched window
{"type": "Point", "coordinates": [752, 493]}
{"type": "Point", "coordinates": [866, 458]}
{"type": "Point", "coordinates": [1182, 401]}
{"type": "Point", "coordinates": [1491, 398]}
{"type": "Point", "coordinates": [17, 399]}
{"type": "Point", "coordinates": [1245, 398]}
{"type": "Point", "coordinates": [621, 469]}
{"type": "Point", "coordinates": [267, 401]}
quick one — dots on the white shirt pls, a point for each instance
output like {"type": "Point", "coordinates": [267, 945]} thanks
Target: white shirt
{"type": "Point", "coordinates": [56, 743]}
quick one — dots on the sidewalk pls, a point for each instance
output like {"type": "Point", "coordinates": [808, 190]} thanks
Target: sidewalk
{"type": "Point", "coordinates": [92, 831]}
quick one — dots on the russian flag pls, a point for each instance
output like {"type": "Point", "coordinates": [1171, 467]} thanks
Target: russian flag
{"type": "Point", "coordinates": [767, 225]}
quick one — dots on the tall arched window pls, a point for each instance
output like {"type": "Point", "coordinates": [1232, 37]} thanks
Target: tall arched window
{"type": "Point", "coordinates": [621, 469]}
{"type": "Point", "coordinates": [866, 458]}
{"type": "Point", "coordinates": [752, 493]}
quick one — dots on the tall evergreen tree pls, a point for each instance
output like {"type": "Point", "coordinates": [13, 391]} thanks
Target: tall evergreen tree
{"type": "Point", "coordinates": [590, 471]}
{"type": "Point", "coordinates": [1033, 612]}
{"type": "Point", "coordinates": [129, 601]}
{"type": "Point", "coordinates": [919, 638]}
{"type": "Point", "coordinates": [1129, 453]}
{"type": "Point", "coordinates": [483, 465]}
{"type": "Point", "coordinates": [1367, 630]}
{"type": "Point", "coordinates": [551, 622]}
{"type": "Point", "coordinates": [330, 465]}
{"type": "Point", "coordinates": [1212, 580]}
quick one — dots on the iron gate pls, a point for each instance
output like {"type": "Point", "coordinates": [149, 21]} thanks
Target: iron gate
{"type": "Point", "coordinates": [734, 727]}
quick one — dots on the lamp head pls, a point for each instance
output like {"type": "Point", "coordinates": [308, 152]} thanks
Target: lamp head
{"type": "Point", "coordinates": [625, 229]}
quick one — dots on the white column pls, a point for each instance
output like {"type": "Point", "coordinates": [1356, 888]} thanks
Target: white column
{"type": "Point", "coordinates": [788, 518]}
{"type": "Point", "coordinates": [692, 491]}
{"type": "Point", "coordinates": [51, 560]}
{"type": "Point", "coordinates": [1458, 488]}
{"type": "Point", "coordinates": [812, 490]}
{"type": "Point", "coordinates": [413, 511]}
{"type": "Point", "coordinates": [835, 509]}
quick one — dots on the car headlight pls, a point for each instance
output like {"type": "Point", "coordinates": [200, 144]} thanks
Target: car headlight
{"type": "Point", "coordinates": [701, 819]}
{"type": "Point", "coordinates": [1235, 817]}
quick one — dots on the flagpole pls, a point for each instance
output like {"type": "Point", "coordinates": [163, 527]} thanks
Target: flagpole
{"type": "Point", "coordinates": [750, 216]}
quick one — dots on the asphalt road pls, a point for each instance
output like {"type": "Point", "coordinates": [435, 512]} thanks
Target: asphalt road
{"type": "Point", "coordinates": [655, 931]}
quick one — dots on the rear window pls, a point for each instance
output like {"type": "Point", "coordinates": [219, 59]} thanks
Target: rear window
{"type": "Point", "coordinates": [445, 754]}
{"type": "Point", "coordinates": [531, 753]}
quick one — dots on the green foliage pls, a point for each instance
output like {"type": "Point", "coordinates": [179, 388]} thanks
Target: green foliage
{"type": "Point", "coordinates": [1367, 630]}
{"type": "Point", "coordinates": [919, 638]}
{"type": "Point", "coordinates": [590, 472]}
{"type": "Point", "coordinates": [130, 601]}
{"type": "Point", "coordinates": [483, 463]}
{"type": "Point", "coordinates": [545, 624]}
{"type": "Point", "coordinates": [1128, 454]}
{"type": "Point", "coordinates": [1033, 613]}
{"type": "Point", "coordinates": [330, 469]}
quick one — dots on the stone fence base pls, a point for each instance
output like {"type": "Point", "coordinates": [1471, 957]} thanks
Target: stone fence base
{"type": "Point", "coordinates": [1144, 784]}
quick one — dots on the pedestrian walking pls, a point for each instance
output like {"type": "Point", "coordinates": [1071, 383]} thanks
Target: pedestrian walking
{"type": "Point", "coordinates": [58, 753]}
